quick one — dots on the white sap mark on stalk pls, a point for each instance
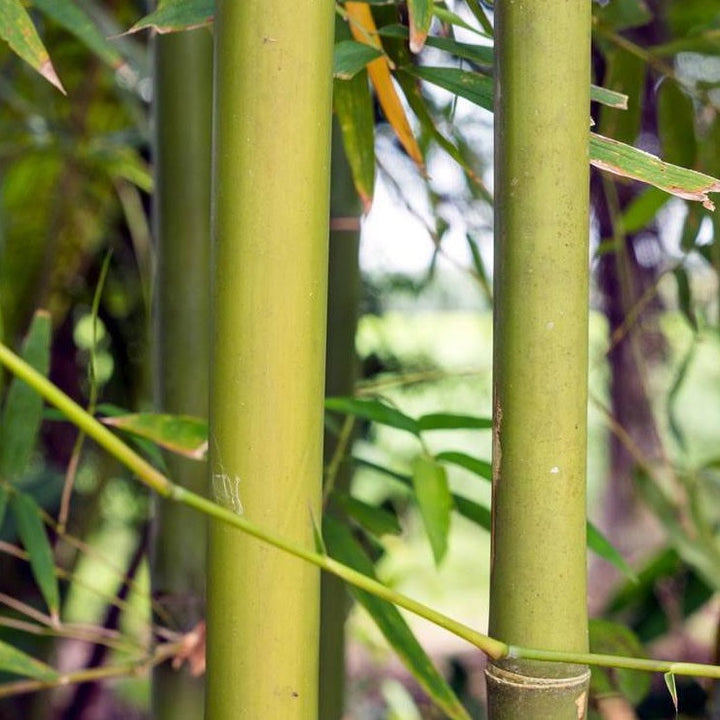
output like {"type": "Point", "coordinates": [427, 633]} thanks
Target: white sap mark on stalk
{"type": "Point", "coordinates": [226, 491]}
{"type": "Point", "coordinates": [554, 470]}
{"type": "Point", "coordinates": [550, 325]}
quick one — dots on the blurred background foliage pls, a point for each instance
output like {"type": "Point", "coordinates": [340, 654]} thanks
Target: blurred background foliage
{"type": "Point", "coordinates": [75, 187]}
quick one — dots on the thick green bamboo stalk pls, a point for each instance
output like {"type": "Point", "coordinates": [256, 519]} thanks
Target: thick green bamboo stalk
{"type": "Point", "coordinates": [273, 66]}
{"type": "Point", "coordinates": [183, 123]}
{"type": "Point", "coordinates": [538, 564]}
{"type": "Point", "coordinates": [343, 294]}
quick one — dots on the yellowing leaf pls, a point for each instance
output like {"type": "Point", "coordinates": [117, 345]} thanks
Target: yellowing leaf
{"type": "Point", "coordinates": [421, 13]}
{"type": "Point", "coordinates": [18, 31]}
{"type": "Point", "coordinates": [364, 30]}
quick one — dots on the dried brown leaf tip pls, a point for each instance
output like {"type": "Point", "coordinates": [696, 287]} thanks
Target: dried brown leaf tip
{"type": "Point", "coordinates": [192, 651]}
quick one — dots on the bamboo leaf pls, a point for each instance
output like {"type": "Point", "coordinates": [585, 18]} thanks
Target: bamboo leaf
{"type": "Point", "coordinates": [450, 421]}
{"type": "Point", "coordinates": [672, 688]}
{"type": "Point", "coordinates": [472, 86]}
{"type": "Point", "coordinates": [374, 519]}
{"type": "Point", "coordinates": [75, 20]}
{"type": "Point", "coordinates": [611, 638]}
{"type": "Point", "coordinates": [420, 14]}
{"type": "Point", "coordinates": [351, 57]}
{"type": "Point", "coordinates": [451, 18]}
{"type": "Point", "coordinates": [363, 29]}
{"type": "Point", "coordinates": [608, 97]}
{"type": "Point", "coordinates": [469, 509]}
{"type": "Point", "coordinates": [17, 662]}
{"type": "Point", "coordinates": [33, 536]}
{"type": "Point", "coordinates": [626, 161]}
{"type": "Point", "coordinates": [353, 105]}
{"type": "Point", "coordinates": [373, 410]}
{"type": "Point", "coordinates": [22, 414]}
{"type": "Point", "coordinates": [676, 124]}
{"type": "Point", "coordinates": [473, 464]}
{"type": "Point", "coordinates": [601, 546]}
{"type": "Point", "coordinates": [643, 209]}
{"type": "Point", "coordinates": [435, 502]}
{"type": "Point", "coordinates": [181, 434]}
{"type": "Point", "coordinates": [176, 15]}
{"type": "Point", "coordinates": [622, 14]}
{"type": "Point", "coordinates": [344, 548]}
{"type": "Point", "coordinates": [18, 31]}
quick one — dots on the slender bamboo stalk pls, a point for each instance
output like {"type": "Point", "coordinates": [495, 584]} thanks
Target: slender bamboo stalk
{"type": "Point", "coordinates": [538, 575]}
{"type": "Point", "coordinates": [273, 86]}
{"type": "Point", "coordinates": [343, 292]}
{"type": "Point", "coordinates": [156, 481]}
{"type": "Point", "coordinates": [183, 125]}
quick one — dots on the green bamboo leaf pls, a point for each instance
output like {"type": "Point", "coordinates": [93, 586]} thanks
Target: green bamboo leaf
{"type": "Point", "coordinates": [622, 14]}
{"type": "Point", "coordinates": [3, 504]}
{"type": "Point", "coordinates": [626, 161]}
{"type": "Point", "coordinates": [374, 410]}
{"type": "Point", "coordinates": [676, 124]}
{"type": "Point", "coordinates": [352, 102]}
{"type": "Point", "coordinates": [608, 97]}
{"type": "Point", "coordinates": [451, 18]}
{"type": "Point", "coordinates": [477, 10]}
{"type": "Point", "coordinates": [344, 548]}
{"type": "Point", "coordinates": [374, 519]}
{"type": "Point", "coordinates": [672, 688]}
{"type": "Point", "coordinates": [32, 533]}
{"type": "Point", "coordinates": [473, 464]}
{"type": "Point", "coordinates": [176, 15]}
{"type": "Point", "coordinates": [181, 434]}
{"type": "Point", "coordinates": [75, 20]}
{"type": "Point", "coordinates": [350, 57]}
{"type": "Point", "coordinates": [472, 86]}
{"type": "Point", "coordinates": [17, 662]}
{"type": "Point", "coordinates": [601, 546]}
{"type": "Point", "coordinates": [643, 209]}
{"type": "Point", "coordinates": [435, 502]}
{"type": "Point", "coordinates": [469, 509]}
{"type": "Point", "coordinates": [685, 300]}
{"type": "Point", "coordinates": [611, 638]}
{"type": "Point", "coordinates": [18, 31]}
{"type": "Point", "coordinates": [22, 414]}
{"type": "Point", "coordinates": [420, 14]}
{"type": "Point", "coordinates": [481, 54]}
{"type": "Point", "coordinates": [691, 227]}
{"type": "Point", "coordinates": [450, 421]}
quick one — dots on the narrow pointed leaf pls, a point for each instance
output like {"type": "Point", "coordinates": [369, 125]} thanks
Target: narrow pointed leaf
{"type": "Point", "coordinates": [176, 15]}
{"type": "Point", "coordinates": [676, 124]}
{"type": "Point", "coordinates": [17, 662]}
{"type": "Point", "coordinates": [352, 103]}
{"type": "Point", "coordinates": [643, 209]}
{"type": "Point", "coordinates": [435, 502]}
{"type": "Point", "coordinates": [74, 19]}
{"type": "Point", "coordinates": [451, 18]}
{"type": "Point", "coordinates": [450, 421]}
{"type": "Point", "coordinates": [473, 511]}
{"type": "Point", "coordinates": [181, 434]}
{"type": "Point", "coordinates": [611, 98]}
{"type": "Point", "coordinates": [480, 467]}
{"type": "Point", "coordinates": [373, 410]}
{"type": "Point", "coordinates": [344, 548]}
{"type": "Point", "coordinates": [363, 29]}
{"type": "Point", "coordinates": [374, 519]}
{"type": "Point", "coordinates": [31, 530]}
{"type": "Point", "coordinates": [351, 57]}
{"type": "Point", "coordinates": [626, 161]}
{"type": "Point", "coordinates": [18, 31]}
{"type": "Point", "coordinates": [474, 87]}
{"type": "Point", "coordinates": [420, 15]}
{"type": "Point", "coordinates": [601, 546]}
{"type": "Point", "coordinates": [22, 414]}
{"type": "Point", "coordinates": [672, 688]}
